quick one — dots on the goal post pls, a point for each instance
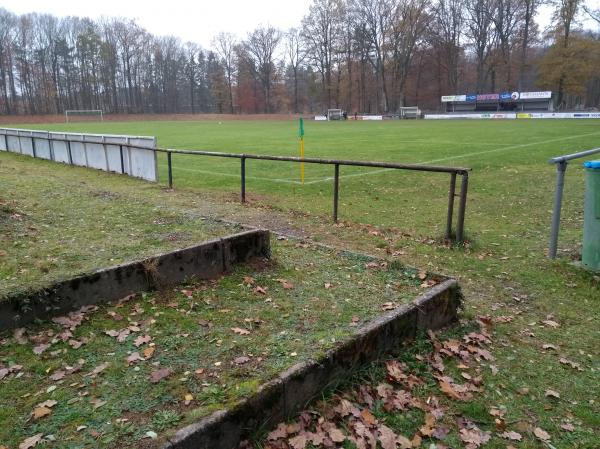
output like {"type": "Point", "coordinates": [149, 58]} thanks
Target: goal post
{"type": "Point", "coordinates": [87, 115]}
{"type": "Point", "coordinates": [334, 114]}
{"type": "Point", "coordinates": [410, 112]}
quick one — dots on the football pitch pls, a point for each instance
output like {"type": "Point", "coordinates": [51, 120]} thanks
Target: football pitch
{"type": "Point", "coordinates": [511, 184]}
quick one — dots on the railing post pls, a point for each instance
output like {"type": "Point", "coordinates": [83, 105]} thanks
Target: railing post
{"type": "Point", "coordinates": [243, 179]}
{"type": "Point", "coordinates": [561, 168]}
{"type": "Point", "coordinates": [6, 142]}
{"type": "Point", "coordinates": [460, 225]}
{"type": "Point", "coordinates": [451, 195]}
{"type": "Point", "coordinates": [122, 159]}
{"type": "Point", "coordinates": [69, 153]}
{"type": "Point", "coordinates": [336, 192]}
{"type": "Point", "coordinates": [33, 146]}
{"type": "Point", "coordinates": [170, 167]}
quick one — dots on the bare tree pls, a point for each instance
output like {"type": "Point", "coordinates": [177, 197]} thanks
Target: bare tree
{"type": "Point", "coordinates": [564, 17]}
{"type": "Point", "coordinates": [409, 24]}
{"type": "Point", "coordinates": [261, 45]}
{"type": "Point", "coordinates": [482, 36]}
{"type": "Point", "coordinates": [375, 18]}
{"type": "Point", "coordinates": [296, 56]}
{"type": "Point", "coordinates": [447, 33]}
{"type": "Point", "coordinates": [320, 31]}
{"type": "Point", "coordinates": [224, 44]}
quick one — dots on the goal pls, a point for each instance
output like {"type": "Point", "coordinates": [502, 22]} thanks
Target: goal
{"type": "Point", "coordinates": [334, 114]}
{"type": "Point", "coordinates": [407, 112]}
{"type": "Point", "coordinates": [83, 115]}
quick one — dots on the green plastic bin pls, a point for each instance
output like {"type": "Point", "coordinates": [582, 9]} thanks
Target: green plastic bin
{"type": "Point", "coordinates": [590, 255]}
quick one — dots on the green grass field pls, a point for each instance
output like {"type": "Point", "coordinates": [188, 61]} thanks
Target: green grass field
{"type": "Point", "coordinates": [508, 158]}
{"type": "Point", "coordinates": [503, 270]}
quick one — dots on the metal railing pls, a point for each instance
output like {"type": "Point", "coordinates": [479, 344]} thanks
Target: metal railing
{"type": "Point", "coordinates": [561, 167]}
{"type": "Point", "coordinates": [452, 171]}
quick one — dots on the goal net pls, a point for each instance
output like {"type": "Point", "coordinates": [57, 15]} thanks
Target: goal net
{"type": "Point", "coordinates": [410, 112]}
{"type": "Point", "coordinates": [84, 115]}
{"type": "Point", "coordinates": [334, 114]}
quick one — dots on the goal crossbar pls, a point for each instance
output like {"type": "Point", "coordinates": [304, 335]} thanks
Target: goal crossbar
{"type": "Point", "coordinates": [83, 113]}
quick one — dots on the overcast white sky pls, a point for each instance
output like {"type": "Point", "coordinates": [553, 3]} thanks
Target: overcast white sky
{"type": "Point", "coordinates": [196, 21]}
{"type": "Point", "coordinates": [192, 20]}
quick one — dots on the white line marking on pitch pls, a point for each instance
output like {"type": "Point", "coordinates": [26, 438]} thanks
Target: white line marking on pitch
{"type": "Point", "coordinates": [383, 170]}
{"type": "Point", "coordinates": [232, 175]}
{"type": "Point", "coordinates": [460, 156]}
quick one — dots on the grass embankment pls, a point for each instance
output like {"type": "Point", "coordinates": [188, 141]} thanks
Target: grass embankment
{"type": "Point", "coordinates": [57, 222]}
{"type": "Point", "coordinates": [126, 372]}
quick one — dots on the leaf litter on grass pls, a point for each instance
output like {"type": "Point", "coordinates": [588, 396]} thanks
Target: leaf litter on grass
{"type": "Point", "coordinates": [191, 348]}
{"type": "Point", "coordinates": [364, 413]}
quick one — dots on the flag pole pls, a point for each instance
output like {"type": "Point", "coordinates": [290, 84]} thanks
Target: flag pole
{"type": "Point", "coordinates": [301, 136]}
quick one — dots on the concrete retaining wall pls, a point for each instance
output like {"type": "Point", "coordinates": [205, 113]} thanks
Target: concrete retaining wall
{"type": "Point", "coordinates": [205, 261]}
{"type": "Point", "coordinates": [293, 389]}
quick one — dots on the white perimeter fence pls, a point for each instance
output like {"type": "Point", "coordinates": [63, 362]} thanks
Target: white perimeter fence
{"type": "Point", "coordinates": [514, 115]}
{"type": "Point", "coordinates": [130, 155]}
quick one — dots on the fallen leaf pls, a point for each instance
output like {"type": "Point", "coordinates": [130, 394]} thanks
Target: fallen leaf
{"type": "Point", "coordinates": [298, 442]}
{"type": "Point", "coordinates": [568, 427]}
{"type": "Point", "coordinates": [241, 360]}
{"type": "Point", "coordinates": [260, 290]}
{"type": "Point", "coordinates": [97, 403]}
{"type": "Point", "coordinates": [552, 394]}
{"type": "Point", "coordinates": [512, 436]}
{"type": "Point", "coordinates": [99, 369]}
{"type": "Point", "coordinates": [30, 442]}
{"type": "Point", "coordinates": [149, 352]}
{"type": "Point", "coordinates": [19, 336]}
{"type": "Point", "coordinates": [142, 340]}
{"type": "Point", "coordinates": [447, 389]}
{"type": "Point", "coordinates": [57, 375]}
{"type": "Point", "coordinates": [388, 306]}
{"type": "Point", "coordinates": [551, 323]}
{"type": "Point", "coordinates": [278, 433]}
{"type": "Point", "coordinates": [240, 331]}
{"type": "Point", "coordinates": [550, 346]}
{"type": "Point", "coordinates": [541, 434]}
{"type": "Point", "coordinates": [368, 418]}
{"type": "Point", "coordinates": [475, 436]}
{"type": "Point", "coordinates": [387, 437]}
{"type": "Point", "coordinates": [40, 412]}
{"type": "Point", "coordinates": [133, 357]}
{"type": "Point", "coordinates": [159, 374]}
{"type": "Point", "coordinates": [49, 403]}
{"type": "Point", "coordinates": [37, 350]}
{"type": "Point", "coordinates": [336, 435]}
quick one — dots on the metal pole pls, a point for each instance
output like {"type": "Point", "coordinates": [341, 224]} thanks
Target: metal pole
{"type": "Point", "coordinates": [122, 159]}
{"type": "Point", "coordinates": [170, 165]}
{"type": "Point", "coordinates": [6, 142]}
{"type": "Point", "coordinates": [33, 146]}
{"type": "Point", "coordinates": [561, 168]}
{"type": "Point", "coordinates": [460, 225]}
{"type": "Point", "coordinates": [336, 192]}
{"type": "Point", "coordinates": [243, 179]}
{"type": "Point", "coordinates": [451, 195]}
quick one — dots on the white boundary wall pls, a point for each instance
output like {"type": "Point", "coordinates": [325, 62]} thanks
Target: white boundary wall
{"type": "Point", "coordinates": [485, 116]}
{"type": "Point", "coordinates": [513, 115]}
{"type": "Point", "coordinates": [99, 151]}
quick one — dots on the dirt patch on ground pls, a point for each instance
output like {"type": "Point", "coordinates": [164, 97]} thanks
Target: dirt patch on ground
{"type": "Point", "coordinates": [36, 119]}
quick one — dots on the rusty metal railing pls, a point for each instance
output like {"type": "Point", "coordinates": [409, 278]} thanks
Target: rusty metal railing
{"type": "Point", "coordinates": [337, 163]}
{"type": "Point", "coordinates": [453, 171]}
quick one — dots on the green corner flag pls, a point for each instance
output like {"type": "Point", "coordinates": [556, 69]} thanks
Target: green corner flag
{"type": "Point", "coordinates": [301, 128]}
